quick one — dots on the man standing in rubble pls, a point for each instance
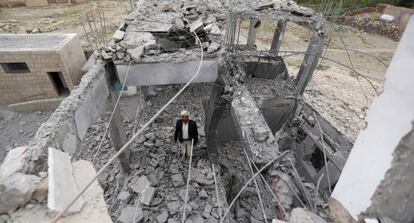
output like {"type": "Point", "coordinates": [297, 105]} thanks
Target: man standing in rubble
{"type": "Point", "coordinates": [186, 132]}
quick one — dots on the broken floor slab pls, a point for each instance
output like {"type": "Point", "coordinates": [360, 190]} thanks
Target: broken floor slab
{"type": "Point", "coordinates": [253, 127]}
{"type": "Point", "coordinates": [171, 73]}
{"type": "Point", "coordinates": [94, 209]}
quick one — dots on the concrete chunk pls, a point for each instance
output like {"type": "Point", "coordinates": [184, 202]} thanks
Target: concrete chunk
{"type": "Point", "coordinates": [138, 185]}
{"type": "Point", "coordinates": [16, 190]}
{"type": "Point", "coordinates": [173, 207]}
{"type": "Point", "coordinates": [162, 218]}
{"type": "Point", "coordinates": [136, 53]}
{"type": "Point", "coordinates": [196, 25]}
{"type": "Point", "coordinates": [300, 215]}
{"type": "Point", "coordinates": [62, 186]}
{"type": "Point", "coordinates": [118, 35]}
{"type": "Point", "coordinates": [147, 195]}
{"type": "Point", "coordinates": [177, 180]}
{"type": "Point", "coordinates": [130, 213]}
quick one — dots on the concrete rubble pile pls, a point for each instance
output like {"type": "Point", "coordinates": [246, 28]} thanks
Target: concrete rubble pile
{"type": "Point", "coordinates": [248, 116]}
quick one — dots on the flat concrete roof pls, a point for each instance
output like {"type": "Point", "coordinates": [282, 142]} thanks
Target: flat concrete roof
{"type": "Point", "coordinates": [34, 42]}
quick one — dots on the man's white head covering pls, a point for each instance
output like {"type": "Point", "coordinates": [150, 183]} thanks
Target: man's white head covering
{"type": "Point", "coordinates": [184, 113]}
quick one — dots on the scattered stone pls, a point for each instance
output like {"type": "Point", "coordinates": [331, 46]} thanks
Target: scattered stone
{"type": "Point", "coordinates": [172, 221]}
{"type": "Point", "coordinates": [124, 196]}
{"type": "Point", "coordinates": [199, 177]}
{"type": "Point", "coordinates": [196, 219]}
{"type": "Point", "coordinates": [147, 195]}
{"type": "Point", "coordinates": [300, 215]}
{"type": "Point", "coordinates": [210, 19]}
{"type": "Point", "coordinates": [128, 214]}
{"type": "Point", "coordinates": [207, 211]}
{"type": "Point", "coordinates": [196, 25]}
{"type": "Point", "coordinates": [191, 193]}
{"type": "Point", "coordinates": [203, 194]}
{"type": "Point", "coordinates": [163, 217]}
{"type": "Point", "coordinates": [41, 190]}
{"type": "Point", "coordinates": [213, 47]}
{"type": "Point", "coordinates": [215, 30]}
{"type": "Point", "coordinates": [135, 39]}
{"type": "Point", "coordinates": [140, 184]}
{"type": "Point", "coordinates": [211, 219]}
{"type": "Point", "coordinates": [154, 163]}
{"type": "Point", "coordinates": [118, 35]}
{"type": "Point", "coordinates": [106, 56]}
{"type": "Point", "coordinates": [136, 53]}
{"type": "Point", "coordinates": [151, 45]}
{"type": "Point", "coordinates": [177, 180]}
{"type": "Point", "coordinates": [16, 191]}
{"type": "Point", "coordinates": [153, 179]}
{"type": "Point", "coordinates": [15, 161]}
{"type": "Point", "coordinates": [173, 207]}
{"type": "Point", "coordinates": [156, 201]}
{"type": "Point", "coordinates": [179, 23]}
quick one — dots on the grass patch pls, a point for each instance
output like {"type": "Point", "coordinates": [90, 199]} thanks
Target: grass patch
{"type": "Point", "coordinates": [322, 67]}
{"type": "Point", "coordinates": [72, 12]}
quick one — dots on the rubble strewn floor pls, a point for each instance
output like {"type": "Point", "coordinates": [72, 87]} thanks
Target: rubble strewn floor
{"type": "Point", "coordinates": [18, 128]}
{"type": "Point", "coordinates": [155, 157]}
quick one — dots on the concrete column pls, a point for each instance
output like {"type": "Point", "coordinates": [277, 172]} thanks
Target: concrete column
{"type": "Point", "coordinates": [310, 62]}
{"type": "Point", "coordinates": [278, 36]}
{"type": "Point", "coordinates": [116, 126]}
{"type": "Point", "coordinates": [251, 38]}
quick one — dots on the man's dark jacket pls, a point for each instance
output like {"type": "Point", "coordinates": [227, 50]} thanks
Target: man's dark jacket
{"type": "Point", "coordinates": [192, 131]}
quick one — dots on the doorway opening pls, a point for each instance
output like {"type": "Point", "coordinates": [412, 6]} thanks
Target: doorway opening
{"type": "Point", "coordinates": [59, 83]}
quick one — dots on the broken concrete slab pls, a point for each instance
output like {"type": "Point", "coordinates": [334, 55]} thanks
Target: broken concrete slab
{"type": "Point", "coordinates": [136, 39]}
{"type": "Point", "coordinates": [16, 190]}
{"type": "Point", "coordinates": [196, 25]}
{"type": "Point", "coordinates": [136, 53]}
{"type": "Point", "coordinates": [62, 186]}
{"type": "Point", "coordinates": [170, 73]}
{"type": "Point", "coordinates": [163, 217]}
{"type": "Point", "coordinates": [213, 47]}
{"type": "Point", "coordinates": [17, 160]}
{"type": "Point", "coordinates": [253, 128]}
{"type": "Point", "coordinates": [198, 176]}
{"type": "Point", "coordinates": [300, 215]}
{"type": "Point", "coordinates": [139, 184]}
{"type": "Point", "coordinates": [131, 213]}
{"type": "Point", "coordinates": [118, 35]}
{"type": "Point", "coordinates": [91, 107]}
{"type": "Point", "coordinates": [95, 209]}
{"type": "Point", "coordinates": [124, 196]}
{"type": "Point", "coordinates": [177, 180]}
{"type": "Point", "coordinates": [173, 207]}
{"type": "Point", "coordinates": [147, 195]}
{"type": "Point", "coordinates": [215, 30]}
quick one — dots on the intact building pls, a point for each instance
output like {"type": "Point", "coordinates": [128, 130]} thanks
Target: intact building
{"type": "Point", "coordinates": [38, 66]}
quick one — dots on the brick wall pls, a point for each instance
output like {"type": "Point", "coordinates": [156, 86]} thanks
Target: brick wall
{"type": "Point", "coordinates": [20, 87]}
{"type": "Point", "coordinates": [73, 59]}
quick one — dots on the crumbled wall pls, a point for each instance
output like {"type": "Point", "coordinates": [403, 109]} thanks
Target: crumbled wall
{"type": "Point", "coordinates": [394, 197]}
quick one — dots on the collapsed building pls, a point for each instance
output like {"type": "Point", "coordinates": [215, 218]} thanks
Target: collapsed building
{"type": "Point", "coordinates": [252, 118]}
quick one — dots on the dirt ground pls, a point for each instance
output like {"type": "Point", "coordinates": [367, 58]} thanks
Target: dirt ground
{"type": "Point", "coordinates": [63, 18]}
{"type": "Point", "coordinates": [335, 89]}
{"type": "Point", "coordinates": [16, 129]}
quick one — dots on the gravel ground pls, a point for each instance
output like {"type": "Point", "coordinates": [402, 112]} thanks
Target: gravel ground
{"type": "Point", "coordinates": [18, 128]}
